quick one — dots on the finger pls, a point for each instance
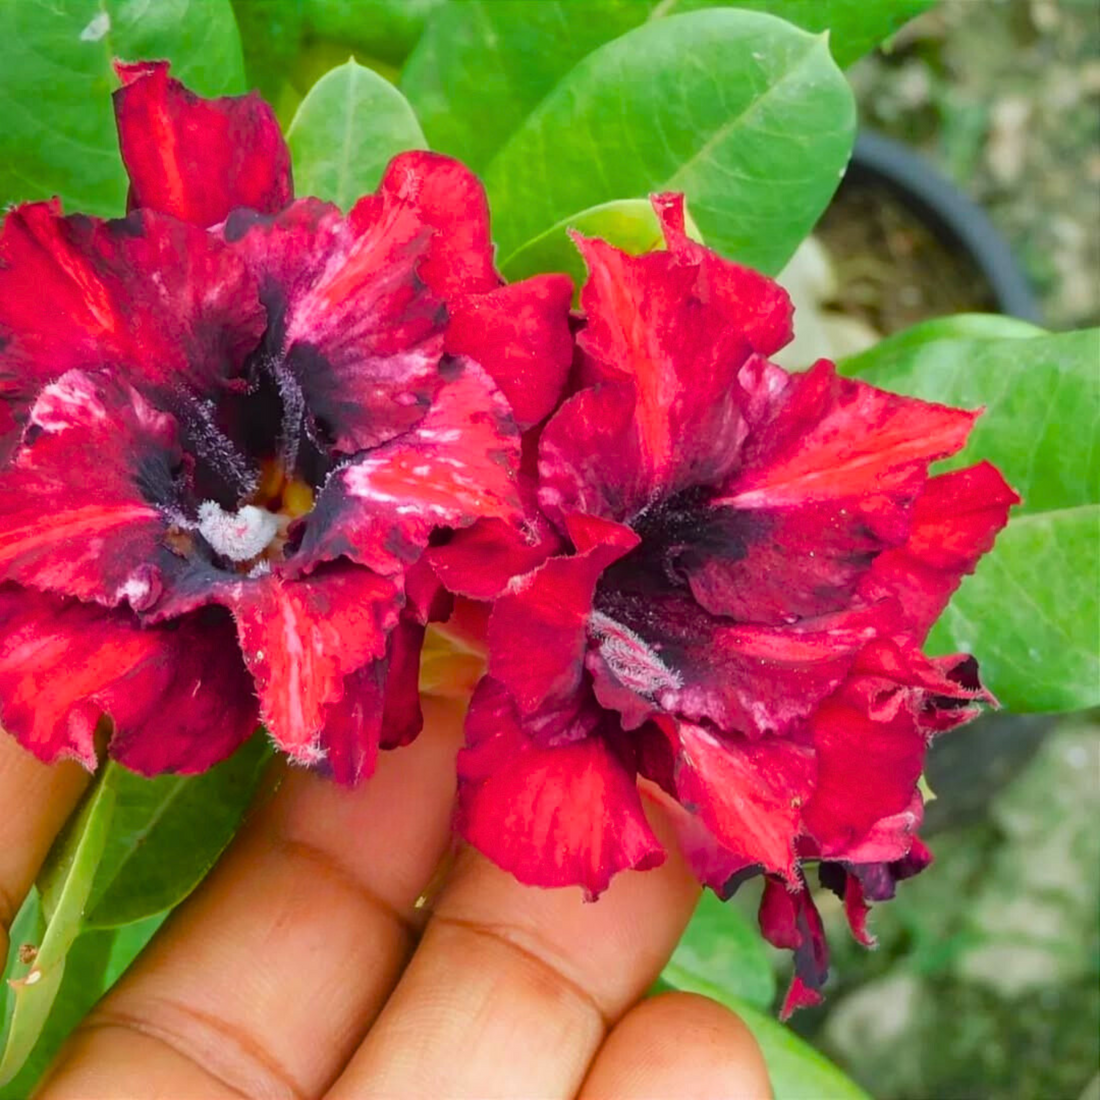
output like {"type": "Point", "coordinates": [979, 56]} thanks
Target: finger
{"type": "Point", "coordinates": [266, 980]}
{"type": "Point", "coordinates": [678, 1045]}
{"type": "Point", "coordinates": [513, 988]}
{"type": "Point", "coordinates": [37, 799]}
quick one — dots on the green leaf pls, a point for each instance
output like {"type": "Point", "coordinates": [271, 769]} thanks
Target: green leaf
{"type": "Point", "coordinates": [483, 65]}
{"type": "Point", "coordinates": [271, 34]}
{"type": "Point", "coordinates": [167, 833]}
{"type": "Point", "coordinates": [1030, 611]}
{"type": "Point", "coordinates": [961, 326]}
{"type": "Point", "coordinates": [756, 130]}
{"type": "Point", "coordinates": [58, 135]}
{"type": "Point", "coordinates": [83, 984]}
{"type": "Point", "coordinates": [796, 1070]}
{"type": "Point", "coordinates": [385, 29]}
{"type": "Point", "coordinates": [722, 947]}
{"type": "Point", "coordinates": [855, 26]}
{"type": "Point", "coordinates": [64, 887]}
{"type": "Point", "coordinates": [347, 129]}
{"type": "Point", "coordinates": [629, 224]}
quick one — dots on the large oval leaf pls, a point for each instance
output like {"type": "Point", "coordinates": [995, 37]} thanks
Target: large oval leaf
{"type": "Point", "coordinates": [381, 29]}
{"type": "Point", "coordinates": [757, 130]}
{"type": "Point", "coordinates": [345, 132]}
{"type": "Point", "coordinates": [58, 135]}
{"type": "Point", "coordinates": [483, 65]}
{"type": "Point", "coordinates": [1030, 611]}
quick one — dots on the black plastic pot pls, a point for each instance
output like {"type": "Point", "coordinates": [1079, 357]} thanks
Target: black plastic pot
{"type": "Point", "coordinates": [954, 218]}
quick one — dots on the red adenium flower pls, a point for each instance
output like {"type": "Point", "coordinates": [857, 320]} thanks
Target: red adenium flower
{"type": "Point", "coordinates": [734, 571]}
{"type": "Point", "coordinates": [232, 421]}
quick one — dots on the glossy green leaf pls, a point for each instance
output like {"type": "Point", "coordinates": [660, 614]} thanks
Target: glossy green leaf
{"type": "Point", "coordinates": [1030, 611]}
{"type": "Point", "coordinates": [756, 130]}
{"type": "Point", "coordinates": [385, 29]}
{"type": "Point", "coordinates": [796, 1070]}
{"type": "Point", "coordinates": [56, 79]}
{"type": "Point", "coordinates": [166, 834]}
{"type": "Point", "coordinates": [629, 224]}
{"type": "Point", "coordinates": [347, 129]}
{"type": "Point", "coordinates": [483, 65]}
{"type": "Point", "coordinates": [64, 886]}
{"type": "Point", "coordinates": [722, 947]}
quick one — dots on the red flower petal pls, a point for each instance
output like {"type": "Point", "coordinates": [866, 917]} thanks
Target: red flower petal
{"type": "Point", "coordinates": [480, 561]}
{"type": "Point", "coordinates": [563, 816]}
{"type": "Point", "coordinates": [456, 466]}
{"type": "Point", "coordinates": [197, 158]}
{"type": "Point", "coordinates": [438, 200]}
{"type": "Point", "coordinates": [748, 794]}
{"type": "Point", "coordinates": [750, 679]}
{"type": "Point", "coordinates": [590, 458]}
{"type": "Point", "coordinates": [353, 328]}
{"type": "Point", "coordinates": [163, 302]}
{"type": "Point", "coordinates": [300, 639]}
{"type": "Point", "coordinates": [73, 519]}
{"type": "Point", "coordinates": [791, 920]}
{"type": "Point", "coordinates": [822, 438]}
{"type": "Point", "coordinates": [353, 725]}
{"type": "Point", "coordinates": [954, 522]}
{"type": "Point", "coordinates": [181, 699]}
{"type": "Point", "coordinates": [828, 480]}
{"type": "Point", "coordinates": [648, 328]}
{"type": "Point", "coordinates": [520, 334]}
{"type": "Point", "coordinates": [747, 300]}
{"type": "Point", "coordinates": [537, 629]}
{"type": "Point", "coordinates": [867, 770]}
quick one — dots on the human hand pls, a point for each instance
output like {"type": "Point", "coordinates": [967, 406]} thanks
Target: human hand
{"type": "Point", "coordinates": [304, 967]}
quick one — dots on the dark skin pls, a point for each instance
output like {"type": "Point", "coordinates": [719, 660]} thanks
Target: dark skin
{"type": "Point", "coordinates": [303, 966]}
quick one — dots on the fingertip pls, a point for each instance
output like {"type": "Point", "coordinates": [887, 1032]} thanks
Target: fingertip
{"type": "Point", "coordinates": [679, 1044]}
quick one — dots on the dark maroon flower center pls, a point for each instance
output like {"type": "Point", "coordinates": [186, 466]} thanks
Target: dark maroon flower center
{"type": "Point", "coordinates": [252, 464]}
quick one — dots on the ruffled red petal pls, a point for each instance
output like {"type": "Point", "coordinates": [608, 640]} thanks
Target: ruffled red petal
{"type": "Point", "coordinates": [791, 920]}
{"type": "Point", "coordinates": [456, 466]}
{"type": "Point", "coordinates": [439, 201]}
{"type": "Point", "coordinates": [563, 816]}
{"type": "Point", "coordinates": [350, 738]}
{"type": "Point", "coordinates": [828, 479]}
{"type": "Point", "coordinates": [748, 794]}
{"type": "Point", "coordinates": [750, 679]}
{"type": "Point", "coordinates": [954, 522]}
{"type": "Point", "coordinates": [73, 518]}
{"type": "Point", "coordinates": [300, 640]}
{"type": "Point", "coordinates": [751, 302]}
{"type": "Point", "coordinates": [180, 698]}
{"type": "Point", "coordinates": [647, 329]}
{"type": "Point", "coordinates": [537, 629]}
{"type": "Point", "coordinates": [163, 302]}
{"type": "Point", "coordinates": [194, 158]}
{"type": "Point", "coordinates": [355, 337]}
{"type": "Point", "coordinates": [867, 770]}
{"type": "Point", "coordinates": [520, 334]}
{"type": "Point", "coordinates": [480, 561]}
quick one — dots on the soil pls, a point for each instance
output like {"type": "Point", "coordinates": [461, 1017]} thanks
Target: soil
{"type": "Point", "coordinates": [891, 269]}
